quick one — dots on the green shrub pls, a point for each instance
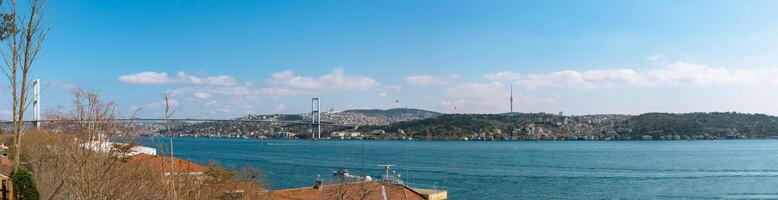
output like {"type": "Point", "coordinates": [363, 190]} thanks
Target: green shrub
{"type": "Point", "coordinates": [24, 185]}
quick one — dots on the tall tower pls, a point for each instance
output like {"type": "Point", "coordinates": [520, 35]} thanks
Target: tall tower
{"type": "Point", "coordinates": [36, 101]}
{"type": "Point", "coordinates": [511, 96]}
{"type": "Point", "coordinates": [316, 117]}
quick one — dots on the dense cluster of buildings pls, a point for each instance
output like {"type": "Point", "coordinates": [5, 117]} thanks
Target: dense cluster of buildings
{"type": "Point", "coordinates": [354, 118]}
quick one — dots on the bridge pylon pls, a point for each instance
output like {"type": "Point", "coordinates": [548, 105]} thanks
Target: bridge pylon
{"type": "Point", "coordinates": [316, 117]}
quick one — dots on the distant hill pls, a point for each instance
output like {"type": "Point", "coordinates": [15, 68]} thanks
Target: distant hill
{"type": "Point", "coordinates": [422, 124]}
{"type": "Point", "coordinates": [721, 124]}
{"type": "Point", "coordinates": [377, 116]}
{"type": "Point", "coordinates": [549, 126]}
{"type": "Point", "coordinates": [522, 125]}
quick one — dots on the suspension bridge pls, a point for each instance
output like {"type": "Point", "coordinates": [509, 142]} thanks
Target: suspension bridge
{"type": "Point", "coordinates": [315, 116]}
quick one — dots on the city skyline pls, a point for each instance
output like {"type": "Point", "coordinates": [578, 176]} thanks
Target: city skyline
{"type": "Point", "coordinates": [228, 59]}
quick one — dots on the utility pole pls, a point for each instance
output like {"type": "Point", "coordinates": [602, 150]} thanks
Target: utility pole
{"type": "Point", "coordinates": [316, 117]}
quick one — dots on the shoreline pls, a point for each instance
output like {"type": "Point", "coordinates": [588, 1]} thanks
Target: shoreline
{"type": "Point", "coordinates": [446, 140]}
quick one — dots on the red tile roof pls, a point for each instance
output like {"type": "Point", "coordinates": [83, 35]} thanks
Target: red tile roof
{"type": "Point", "coordinates": [234, 187]}
{"type": "Point", "coordinates": [367, 190]}
{"type": "Point", "coordinates": [181, 166]}
{"type": "Point", "coordinates": [6, 166]}
{"type": "Point", "coordinates": [242, 190]}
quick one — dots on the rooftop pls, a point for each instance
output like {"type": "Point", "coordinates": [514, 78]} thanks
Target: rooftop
{"type": "Point", "coordinates": [367, 190]}
{"type": "Point", "coordinates": [181, 166]}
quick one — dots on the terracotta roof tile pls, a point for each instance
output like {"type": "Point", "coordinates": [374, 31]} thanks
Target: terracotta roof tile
{"type": "Point", "coordinates": [6, 166]}
{"type": "Point", "coordinates": [368, 190]}
{"type": "Point", "coordinates": [181, 165]}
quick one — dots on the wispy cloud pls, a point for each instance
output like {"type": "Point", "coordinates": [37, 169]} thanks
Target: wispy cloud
{"type": "Point", "coordinates": [480, 97]}
{"type": "Point", "coordinates": [239, 98]}
{"type": "Point", "coordinates": [426, 80]}
{"type": "Point", "coordinates": [654, 57]}
{"type": "Point", "coordinates": [161, 78]}
{"type": "Point", "coordinates": [285, 83]}
{"type": "Point", "coordinates": [503, 76]}
{"type": "Point", "coordinates": [677, 73]}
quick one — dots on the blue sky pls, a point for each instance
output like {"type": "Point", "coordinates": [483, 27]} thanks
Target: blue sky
{"type": "Point", "coordinates": [225, 59]}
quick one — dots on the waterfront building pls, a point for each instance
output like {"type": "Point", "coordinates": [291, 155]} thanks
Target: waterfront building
{"type": "Point", "coordinates": [345, 135]}
{"type": "Point", "coordinates": [284, 135]}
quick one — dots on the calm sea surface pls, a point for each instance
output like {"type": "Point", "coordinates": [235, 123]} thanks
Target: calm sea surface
{"type": "Point", "coordinates": [723, 169]}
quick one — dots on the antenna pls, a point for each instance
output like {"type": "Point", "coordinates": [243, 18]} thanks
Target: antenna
{"type": "Point", "coordinates": [386, 168]}
{"type": "Point", "coordinates": [393, 178]}
{"type": "Point", "coordinates": [511, 96]}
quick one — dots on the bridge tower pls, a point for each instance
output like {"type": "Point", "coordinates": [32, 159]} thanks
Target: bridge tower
{"type": "Point", "coordinates": [36, 102]}
{"type": "Point", "coordinates": [316, 117]}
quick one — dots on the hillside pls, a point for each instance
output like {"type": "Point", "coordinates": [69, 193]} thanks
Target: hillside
{"type": "Point", "coordinates": [716, 124]}
{"type": "Point", "coordinates": [520, 126]}
{"type": "Point", "coordinates": [378, 117]}
{"type": "Point", "coordinates": [502, 126]}
{"type": "Point", "coordinates": [421, 124]}
{"type": "Point", "coordinates": [351, 117]}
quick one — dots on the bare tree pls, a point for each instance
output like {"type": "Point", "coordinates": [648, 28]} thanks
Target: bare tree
{"type": "Point", "coordinates": [168, 114]}
{"type": "Point", "coordinates": [71, 158]}
{"type": "Point", "coordinates": [23, 39]}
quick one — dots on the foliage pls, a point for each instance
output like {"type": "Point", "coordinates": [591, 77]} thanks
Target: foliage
{"type": "Point", "coordinates": [545, 126]}
{"type": "Point", "coordinates": [719, 124]}
{"type": "Point", "coordinates": [457, 126]}
{"type": "Point", "coordinates": [24, 185]}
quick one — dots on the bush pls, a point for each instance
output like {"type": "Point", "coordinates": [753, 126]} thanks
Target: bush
{"type": "Point", "coordinates": [24, 185]}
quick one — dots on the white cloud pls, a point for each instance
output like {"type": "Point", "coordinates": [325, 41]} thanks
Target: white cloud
{"type": "Point", "coordinates": [229, 97]}
{"type": "Point", "coordinates": [585, 79]}
{"type": "Point", "coordinates": [161, 78]}
{"type": "Point", "coordinates": [393, 88]}
{"type": "Point", "coordinates": [489, 97]}
{"type": "Point", "coordinates": [503, 76]}
{"type": "Point", "coordinates": [286, 83]}
{"type": "Point", "coordinates": [683, 73]}
{"type": "Point", "coordinates": [147, 77]}
{"type": "Point", "coordinates": [212, 102]}
{"type": "Point", "coordinates": [426, 80]}
{"type": "Point", "coordinates": [654, 57]}
{"type": "Point", "coordinates": [382, 94]}
{"type": "Point", "coordinates": [677, 73]}
{"type": "Point", "coordinates": [201, 95]}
